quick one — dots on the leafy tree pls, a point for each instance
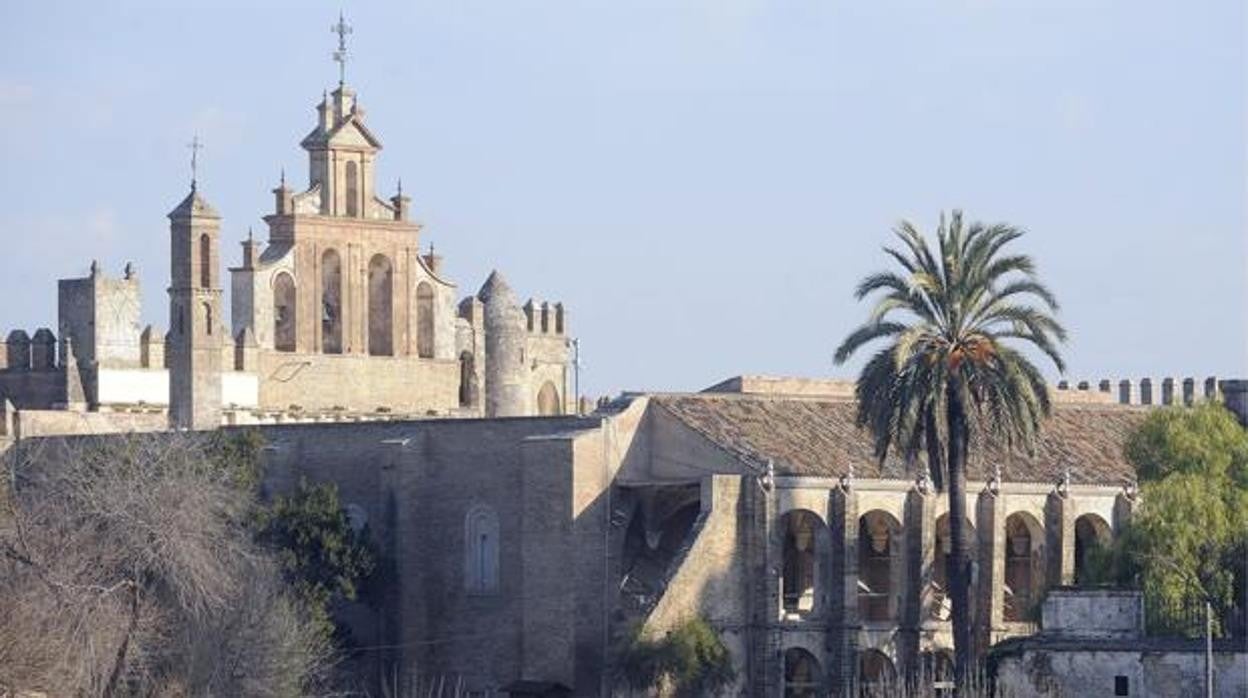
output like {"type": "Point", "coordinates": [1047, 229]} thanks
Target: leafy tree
{"type": "Point", "coordinates": [1189, 537]}
{"type": "Point", "coordinates": [318, 550]}
{"type": "Point", "coordinates": [691, 660]}
{"type": "Point", "coordinates": [948, 371]}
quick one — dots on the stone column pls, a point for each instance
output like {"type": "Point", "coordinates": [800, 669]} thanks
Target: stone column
{"type": "Point", "coordinates": [843, 621]}
{"type": "Point", "coordinates": [1059, 540]}
{"type": "Point", "coordinates": [920, 554]}
{"type": "Point", "coordinates": [990, 601]}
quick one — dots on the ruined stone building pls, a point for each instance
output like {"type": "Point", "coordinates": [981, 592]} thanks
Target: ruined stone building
{"type": "Point", "coordinates": [339, 316]}
{"type": "Point", "coordinates": [526, 549]}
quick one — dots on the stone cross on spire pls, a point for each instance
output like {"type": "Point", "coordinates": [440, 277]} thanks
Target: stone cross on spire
{"type": "Point", "coordinates": [195, 145]}
{"type": "Point", "coordinates": [342, 29]}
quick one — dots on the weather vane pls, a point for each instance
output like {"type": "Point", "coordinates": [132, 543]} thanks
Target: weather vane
{"type": "Point", "coordinates": [340, 56]}
{"type": "Point", "coordinates": [195, 145]}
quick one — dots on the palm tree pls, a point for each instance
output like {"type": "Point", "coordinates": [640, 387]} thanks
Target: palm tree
{"type": "Point", "coordinates": [949, 372]}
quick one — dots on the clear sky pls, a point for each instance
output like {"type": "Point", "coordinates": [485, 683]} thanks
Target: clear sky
{"type": "Point", "coordinates": [700, 181]}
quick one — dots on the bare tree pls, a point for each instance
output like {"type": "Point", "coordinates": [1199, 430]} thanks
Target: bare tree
{"type": "Point", "coordinates": [127, 567]}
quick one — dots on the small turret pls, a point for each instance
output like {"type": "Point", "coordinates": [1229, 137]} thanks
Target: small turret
{"type": "Point", "coordinates": [505, 394]}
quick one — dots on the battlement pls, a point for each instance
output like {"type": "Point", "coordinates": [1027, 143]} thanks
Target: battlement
{"type": "Point", "coordinates": [20, 351]}
{"type": "Point", "coordinates": [545, 318]}
{"type": "Point", "coordinates": [1145, 391]}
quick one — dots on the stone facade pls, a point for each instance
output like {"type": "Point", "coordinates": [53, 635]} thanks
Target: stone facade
{"type": "Point", "coordinates": [764, 512]}
{"type": "Point", "coordinates": [1094, 643]}
{"type": "Point", "coordinates": [339, 316]}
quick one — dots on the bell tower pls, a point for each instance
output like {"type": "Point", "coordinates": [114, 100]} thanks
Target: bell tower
{"type": "Point", "coordinates": [195, 323]}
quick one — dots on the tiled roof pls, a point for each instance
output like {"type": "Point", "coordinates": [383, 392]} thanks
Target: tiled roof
{"type": "Point", "coordinates": [819, 437]}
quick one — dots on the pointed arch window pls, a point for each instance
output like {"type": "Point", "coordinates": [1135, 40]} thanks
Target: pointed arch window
{"type": "Point", "coordinates": [424, 320]}
{"type": "Point", "coordinates": [205, 261]}
{"type": "Point", "coordinates": [481, 550]}
{"type": "Point", "coordinates": [331, 302]}
{"type": "Point", "coordinates": [284, 327]}
{"type": "Point", "coordinates": [380, 306]}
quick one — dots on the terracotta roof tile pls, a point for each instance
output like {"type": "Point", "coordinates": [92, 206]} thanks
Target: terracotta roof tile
{"type": "Point", "coordinates": [820, 438]}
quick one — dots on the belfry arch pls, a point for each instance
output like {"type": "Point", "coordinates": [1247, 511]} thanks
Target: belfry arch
{"type": "Point", "coordinates": [380, 306]}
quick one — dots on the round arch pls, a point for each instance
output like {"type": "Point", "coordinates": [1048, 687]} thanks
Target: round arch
{"type": "Point", "coordinates": [942, 604]}
{"type": "Point", "coordinates": [804, 567]}
{"type": "Point", "coordinates": [803, 677]}
{"type": "Point", "coordinates": [876, 672]}
{"type": "Point", "coordinates": [1024, 566]}
{"type": "Point", "coordinates": [285, 327]}
{"type": "Point", "coordinates": [1091, 533]}
{"type": "Point", "coordinates": [380, 306]}
{"type": "Point", "coordinates": [880, 561]}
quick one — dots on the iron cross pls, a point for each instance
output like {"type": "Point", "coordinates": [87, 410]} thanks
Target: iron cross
{"type": "Point", "coordinates": [195, 145]}
{"type": "Point", "coordinates": [340, 56]}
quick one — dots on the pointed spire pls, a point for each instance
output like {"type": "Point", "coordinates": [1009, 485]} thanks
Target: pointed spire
{"type": "Point", "coordinates": [495, 287]}
{"type": "Point", "coordinates": [282, 183]}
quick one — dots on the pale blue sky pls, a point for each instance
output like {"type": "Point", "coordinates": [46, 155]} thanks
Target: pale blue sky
{"type": "Point", "coordinates": [701, 181]}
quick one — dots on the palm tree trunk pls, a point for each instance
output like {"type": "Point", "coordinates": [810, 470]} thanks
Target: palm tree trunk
{"type": "Point", "coordinates": [958, 570]}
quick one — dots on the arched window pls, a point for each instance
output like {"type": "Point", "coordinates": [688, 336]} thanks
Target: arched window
{"type": "Point", "coordinates": [548, 400]}
{"type": "Point", "coordinates": [1024, 566]}
{"type": "Point", "coordinates": [424, 320]}
{"type": "Point", "coordinates": [802, 676]}
{"type": "Point", "coordinates": [801, 582]}
{"type": "Point", "coordinates": [481, 550]}
{"type": "Point", "coordinates": [876, 673]}
{"type": "Point", "coordinates": [545, 318]}
{"type": "Point", "coordinates": [205, 261]}
{"type": "Point", "coordinates": [284, 312]}
{"type": "Point", "coordinates": [467, 380]}
{"type": "Point", "coordinates": [353, 189]}
{"type": "Point", "coordinates": [207, 319]}
{"type": "Point", "coordinates": [879, 565]}
{"type": "Point", "coordinates": [380, 306]}
{"type": "Point", "coordinates": [1091, 534]}
{"type": "Point", "coordinates": [331, 302]}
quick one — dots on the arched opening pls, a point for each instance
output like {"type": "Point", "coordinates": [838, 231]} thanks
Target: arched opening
{"type": "Point", "coordinates": [467, 380]}
{"type": "Point", "coordinates": [380, 306]}
{"type": "Point", "coordinates": [660, 525]}
{"type": "Point", "coordinates": [481, 550]}
{"type": "Point", "coordinates": [205, 261]}
{"type": "Point", "coordinates": [424, 320]}
{"type": "Point", "coordinates": [1024, 567]}
{"type": "Point", "coordinates": [805, 537]}
{"type": "Point", "coordinates": [353, 189]}
{"type": "Point", "coordinates": [879, 566]}
{"type": "Point", "coordinates": [207, 319]}
{"type": "Point", "coordinates": [284, 312]}
{"type": "Point", "coordinates": [548, 400]}
{"type": "Point", "coordinates": [876, 673]}
{"type": "Point", "coordinates": [942, 604]}
{"type": "Point", "coordinates": [802, 676]}
{"type": "Point", "coordinates": [545, 318]}
{"type": "Point", "coordinates": [331, 302]}
{"type": "Point", "coordinates": [559, 318]}
{"type": "Point", "coordinates": [1092, 533]}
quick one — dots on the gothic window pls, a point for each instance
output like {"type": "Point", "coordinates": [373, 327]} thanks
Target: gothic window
{"type": "Point", "coordinates": [545, 318]}
{"type": "Point", "coordinates": [467, 380]}
{"type": "Point", "coordinates": [284, 312]}
{"type": "Point", "coordinates": [353, 190]}
{"type": "Point", "coordinates": [205, 261]}
{"type": "Point", "coordinates": [481, 550]}
{"type": "Point", "coordinates": [559, 318]}
{"type": "Point", "coordinates": [331, 302]}
{"type": "Point", "coordinates": [424, 320]}
{"type": "Point", "coordinates": [548, 400]}
{"type": "Point", "coordinates": [380, 306]}
{"type": "Point", "coordinates": [207, 319]}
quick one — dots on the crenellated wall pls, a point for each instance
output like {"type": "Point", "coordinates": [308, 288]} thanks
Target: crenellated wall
{"type": "Point", "coordinates": [1144, 391]}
